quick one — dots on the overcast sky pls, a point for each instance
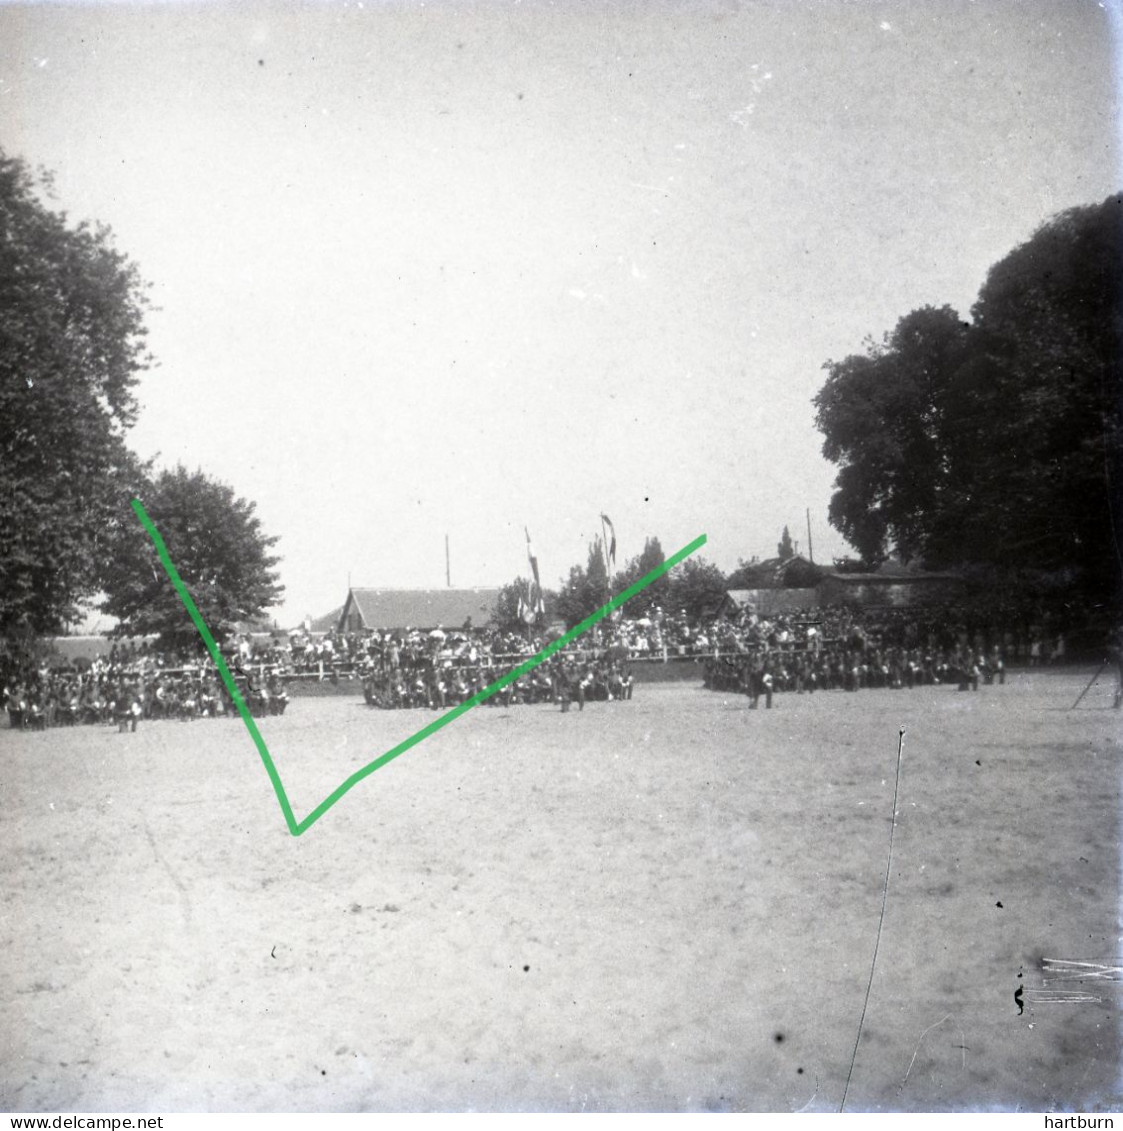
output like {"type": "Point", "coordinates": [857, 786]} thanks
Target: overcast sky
{"type": "Point", "coordinates": [438, 268]}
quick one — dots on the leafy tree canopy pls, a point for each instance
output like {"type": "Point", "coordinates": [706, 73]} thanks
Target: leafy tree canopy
{"type": "Point", "coordinates": [802, 574]}
{"type": "Point", "coordinates": [796, 574]}
{"type": "Point", "coordinates": [215, 542]}
{"type": "Point", "coordinates": [697, 587]}
{"type": "Point", "coordinates": [995, 443]}
{"type": "Point", "coordinates": [640, 566]}
{"type": "Point", "coordinates": [885, 418]}
{"type": "Point", "coordinates": [72, 344]}
{"type": "Point", "coordinates": [745, 576]}
{"type": "Point", "coordinates": [784, 548]}
{"type": "Point", "coordinates": [516, 609]}
{"type": "Point", "coordinates": [585, 590]}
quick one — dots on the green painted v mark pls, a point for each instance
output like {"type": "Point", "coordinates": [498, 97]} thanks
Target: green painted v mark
{"type": "Point", "coordinates": [297, 827]}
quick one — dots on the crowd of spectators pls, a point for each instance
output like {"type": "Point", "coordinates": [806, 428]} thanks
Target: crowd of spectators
{"type": "Point", "coordinates": [792, 650]}
{"type": "Point", "coordinates": [666, 635]}
{"type": "Point", "coordinates": [939, 629]}
{"type": "Point", "coordinates": [445, 669]}
{"type": "Point", "coordinates": [847, 649]}
{"type": "Point", "coordinates": [133, 682]}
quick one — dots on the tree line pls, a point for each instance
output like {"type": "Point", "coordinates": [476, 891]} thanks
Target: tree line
{"type": "Point", "coordinates": [72, 350]}
{"type": "Point", "coordinates": [993, 445]}
{"type": "Point", "coordinates": [695, 587]}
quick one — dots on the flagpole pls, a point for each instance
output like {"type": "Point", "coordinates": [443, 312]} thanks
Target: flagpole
{"type": "Point", "coordinates": [536, 581]}
{"type": "Point", "coordinates": [604, 553]}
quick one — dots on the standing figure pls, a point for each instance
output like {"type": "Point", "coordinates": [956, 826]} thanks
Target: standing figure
{"type": "Point", "coordinates": [564, 686]}
{"type": "Point", "coordinates": [751, 680]}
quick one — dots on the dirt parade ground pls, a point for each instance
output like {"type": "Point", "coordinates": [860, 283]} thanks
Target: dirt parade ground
{"type": "Point", "coordinates": [667, 904]}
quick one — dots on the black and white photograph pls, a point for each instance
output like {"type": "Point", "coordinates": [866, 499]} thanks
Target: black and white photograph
{"type": "Point", "coordinates": [561, 556]}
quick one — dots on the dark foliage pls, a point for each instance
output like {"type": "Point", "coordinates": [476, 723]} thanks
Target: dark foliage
{"type": "Point", "coordinates": [784, 548]}
{"type": "Point", "coordinates": [697, 587]}
{"type": "Point", "coordinates": [71, 349]}
{"type": "Point", "coordinates": [585, 590]}
{"type": "Point", "coordinates": [651, 596]}
{"type": "Point", "coordinates": [517, 607]}
{"type": "Point", "coordinates": [997, 443]}
{"type": "Point", "coordinates": [215, 542]}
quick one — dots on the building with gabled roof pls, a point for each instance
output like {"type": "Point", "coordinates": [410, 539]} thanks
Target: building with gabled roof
{"type": "Point", "coordinates": [326, 623]}
{"type": "Point", "coordinates": [765, 602]}
{"type": "Point", "coordinates": [368, 610]}
{"type": "Point", "coordinates": [891, 584]}
{"type": "Point", "coordinates": [793, 572]}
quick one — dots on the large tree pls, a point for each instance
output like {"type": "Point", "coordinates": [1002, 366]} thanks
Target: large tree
{"type": "Point", "coordinates": [72, 344]}
{"type": "Point", "coordinates": [996, 444]}
{"type": "Point", "coordinates": [585, 590]}
{"type": "Point", "coordinates": [640, 566]}
{"type": "Point", "coordinates": [883, 414]}
{"type": "Point", "coordinates": [697, 587]}
{"type": "Point", "coordinates": [1046, 386]}
{"type": "Point", "coordinates": [518, 608]}
{"type": "Point", "coordinates": [216, 544]}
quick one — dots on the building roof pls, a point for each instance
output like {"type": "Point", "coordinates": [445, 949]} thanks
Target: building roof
{"type": "Point", "coordinates": [892, 573]}
{"type": "Point", "coordinates": [328, 621]}
{"type": "Point", "coordinates": [772, 572]}
{"type": "Point", "coordinates": [417, 608]}
{"type": "Point", "coordinates": [740, 597]}
{"type": "Point", "coordinates": [767, 600]}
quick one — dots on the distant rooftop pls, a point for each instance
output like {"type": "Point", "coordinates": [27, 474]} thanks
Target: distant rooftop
{"type": "Point", "coordinates": [384, 609]}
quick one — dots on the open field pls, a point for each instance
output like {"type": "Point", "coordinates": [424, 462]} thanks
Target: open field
{"type": "Point", "coordinates": [664, 904]}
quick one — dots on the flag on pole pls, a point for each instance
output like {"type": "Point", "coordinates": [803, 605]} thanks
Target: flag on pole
{"type": "Point", "coordinates": [612, 538]}
{"type": "Point", "coordinates": [532, 559]}
{"type": "Point", "coordinates": [536, 601]}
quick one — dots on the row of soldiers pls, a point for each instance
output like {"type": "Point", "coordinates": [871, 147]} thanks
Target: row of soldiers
{"type": "Point", "coordinates": [560, 681]}
{"type": "Point", "coordinates": [761, 673]}
{"type": "Point", "coordinates": [45, 699]}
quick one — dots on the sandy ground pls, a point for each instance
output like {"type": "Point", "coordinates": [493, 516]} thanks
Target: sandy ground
{"type": "Point", "coordinates": [666, 904]}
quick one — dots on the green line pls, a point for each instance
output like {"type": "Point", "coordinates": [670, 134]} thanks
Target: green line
{"type": "Point", "coordinates": [220, 663]}
{"type": "Point", "coordinates": [298, 827]}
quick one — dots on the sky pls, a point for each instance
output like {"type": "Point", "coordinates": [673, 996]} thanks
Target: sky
{"type": "Point", "coordinates": [442, 269]}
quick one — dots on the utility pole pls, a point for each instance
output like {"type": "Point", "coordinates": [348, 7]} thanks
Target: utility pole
{"type": "Point", "coordinates": [810, 555]}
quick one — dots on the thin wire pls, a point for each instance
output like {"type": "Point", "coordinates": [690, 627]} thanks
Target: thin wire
{"type": "Point", "coordinates": [880, 922]}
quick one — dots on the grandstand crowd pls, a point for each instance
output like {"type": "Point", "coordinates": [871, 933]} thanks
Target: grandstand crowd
{"type": "Point", "coordinates": [838, 650]}
{"type": "Point", "coordinates": [446, 682]}
{"type": "Point", "coordinates": [794, 651]}
{"type": "Point", "coordinates": [131, 684]}
{"type": "Point", "coordinates": [668, 635]}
